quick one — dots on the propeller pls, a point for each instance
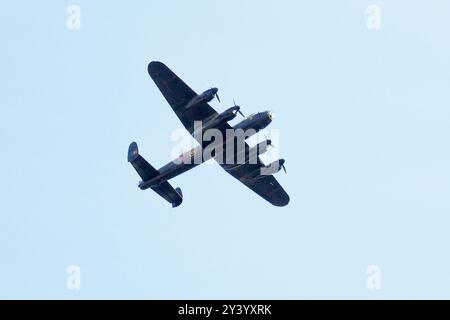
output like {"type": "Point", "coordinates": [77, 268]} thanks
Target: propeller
{"type": "Point", "coordinates": [238, 109]}
{"type": "Point", "coordinates": [281, 163]}
{"type": "Point", "coordinates": [269, 142]}
{"type": "Point", "coordinates": [216, 94]}
{"type": "Point", "coordinates": [284, 168]}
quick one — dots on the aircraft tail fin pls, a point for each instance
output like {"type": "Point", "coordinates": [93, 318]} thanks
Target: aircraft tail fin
{"type": "Point", "coordinates": [173, 196]}
{"type": "Point", "coordinates": [143, 168]}
{"type": "Point", "coordinates": [146, 171]}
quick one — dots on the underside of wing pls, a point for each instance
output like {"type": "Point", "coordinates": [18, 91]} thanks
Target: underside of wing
{"type": "Point", "coordinates": [269, 189]}
{"type": "Point", "coordinates": [178, 94]}
{"type": "Point", "coordinates": [265, 186]}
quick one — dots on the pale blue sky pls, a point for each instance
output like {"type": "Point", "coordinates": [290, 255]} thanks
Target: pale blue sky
{"type": "Point", "coordinates": [364, 120]}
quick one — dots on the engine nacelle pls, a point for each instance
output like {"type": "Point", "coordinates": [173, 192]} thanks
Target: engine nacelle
{"type": "Point", "coordinates": [205, 97]}
{"type": "Point", "coordinates": [229, 114]}
{"type": "Point", "coordinates": [253, 153]}
{"type": "Point", "coordinates": [268, 170]}
{"type": "Point", "coordinates": [273, 168]}
{"type": "Point", "coordinates": [260, 148]}
{"type": "Point", "coordinates": [225, 116]}
{"type": "Point", "coordinates": [255, 122]}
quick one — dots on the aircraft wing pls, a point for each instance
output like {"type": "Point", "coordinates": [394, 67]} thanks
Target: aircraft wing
{"type": "Point", "coordinates": [178, 94]}
{"type": "Point", "coordinates": [265, 186]}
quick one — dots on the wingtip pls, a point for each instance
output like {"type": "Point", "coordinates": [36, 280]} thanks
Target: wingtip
{"type": "Point", "coordinates": [155, 66]}
{"type": "Point", "coordinates": [283, 201]}
{"type": "Point", "coordinates": [288, 199]}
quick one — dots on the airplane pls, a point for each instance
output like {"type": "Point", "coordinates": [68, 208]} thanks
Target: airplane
{"type": "Point", "coordinates": [191, 108]}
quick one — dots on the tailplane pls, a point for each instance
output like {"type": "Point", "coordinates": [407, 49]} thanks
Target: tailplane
{"type": "Point", "coordinates": [143, 168]}
{"type": "Point", "coordinates": [147, 172]}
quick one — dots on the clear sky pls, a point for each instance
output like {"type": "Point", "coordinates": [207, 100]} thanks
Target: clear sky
{"type": "Point", "coordinates": [364, 122]}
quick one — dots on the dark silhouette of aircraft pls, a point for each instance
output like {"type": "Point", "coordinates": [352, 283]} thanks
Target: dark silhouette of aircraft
{"type": "Point", "coordinates": [243, 161]}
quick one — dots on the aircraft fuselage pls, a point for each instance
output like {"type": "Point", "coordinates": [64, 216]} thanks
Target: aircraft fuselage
{"type": "Point", "coordinates": [194, 157]}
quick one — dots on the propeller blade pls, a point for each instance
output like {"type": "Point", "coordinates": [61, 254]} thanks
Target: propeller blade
{"type": "Point", "coordinates": [217, 96]}
{"type": "Point", "coordinates": [238, 109]}
{"type": "Point", "coordinates": [284, 168]}
{"type": "Point", "coordinates": [269, 142]}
